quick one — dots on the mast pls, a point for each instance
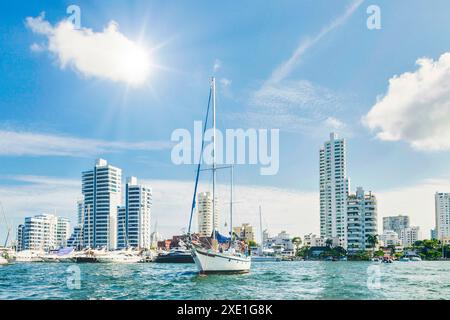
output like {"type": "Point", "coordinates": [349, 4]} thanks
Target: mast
{"type": "Point", "coordinates": [213, 84]}
{"type": "Point", "coordinates": [261, 230]}
{"type": "Point", "coordinates": [231, 204]}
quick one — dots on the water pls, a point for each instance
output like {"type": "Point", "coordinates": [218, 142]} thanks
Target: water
{"type": "Point", "coordinates": [268, 280]}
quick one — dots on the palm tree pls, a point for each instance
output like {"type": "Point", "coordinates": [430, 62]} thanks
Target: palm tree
{"type": "Point", "coordinates": [329, 243]}
{"type": "Point", "coordinates": [297, 241]}
{"type": "Point", "coordinates": [373, 241]}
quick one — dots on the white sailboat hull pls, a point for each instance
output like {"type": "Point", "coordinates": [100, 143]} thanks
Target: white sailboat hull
{"type": "Point", "coordinates": [208, 261]}
{"type": "Point", "coordinates": [3, 261]}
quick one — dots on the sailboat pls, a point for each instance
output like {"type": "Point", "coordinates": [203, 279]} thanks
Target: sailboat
{"type": "Point", "coordinates": [220, 254]}
{"type": "Point", "coordinates": [264, 255]}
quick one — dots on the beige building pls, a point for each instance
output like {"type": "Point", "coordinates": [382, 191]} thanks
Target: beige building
{"type": "Point", "coordinates": [205, 214]}
{"type": "Point", "coordinates": [245, 232]}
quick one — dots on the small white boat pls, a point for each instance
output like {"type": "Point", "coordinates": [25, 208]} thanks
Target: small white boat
{"type": "Point", "coordinates": [124, 256]}
{"type": "Point", "coordinates": [29, 256]}
{"type": "Point", "coordinates": [3, 261]}
{"type": "Point", "coordinates": [415, 258]}
{"type": "Point", "coordinates": [405, 259]}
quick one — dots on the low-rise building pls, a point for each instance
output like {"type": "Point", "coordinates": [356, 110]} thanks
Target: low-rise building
{"type": "Point", "coordinates": [410, 235]}
{"type": "Point", "coordinates": [390, 238]}
{"type": "Point", "coordinates": [280, 243]}
{"type": "Point", "coordinates": [245, 232]}
{"type": "Point", "coordinates": [312, 240]}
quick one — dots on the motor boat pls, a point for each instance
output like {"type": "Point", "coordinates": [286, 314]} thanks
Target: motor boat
{"type": "Point", "coordinates": [123, 256]}
{"type": "Point", "coordinates": [177, 255]}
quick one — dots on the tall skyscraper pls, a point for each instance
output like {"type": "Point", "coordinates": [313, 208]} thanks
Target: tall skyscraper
{"type": "Point", "coordinates": [395, 223]}
{"type": "Point", "coordinates": [101, 188]}
{"type": "Point", "coordinates": [205, 214]}
{"type": "Point", "coordinates": [442, 215]}
{"type": "Point", "coordinates": [334, 189]}
{"type": "Point", "coordinates": [133, 222]}
{"type": "Point", "coordinates": [362, 220]}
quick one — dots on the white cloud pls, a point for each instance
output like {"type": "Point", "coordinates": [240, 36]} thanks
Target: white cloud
{"type": "Point", "coordinates": [282, 71]}
{"type": "Point", "coordinates": [20, 143]}
{"type": "Point", "coordinates": [217, 65]}
{"type": "Point", "coordinates": [416, 201]}
{"type": "Point", "coordinates": [295, 106]}
{"type": "Point", "coordinates": [298, 105]}
{"type": "Point", "coordinates": [107, 55]}
{"type": "Point", "coordinates": [416, 107]}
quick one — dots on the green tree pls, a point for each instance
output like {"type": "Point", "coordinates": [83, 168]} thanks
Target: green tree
{"type": "Point", "coordinates": [373, 241]}
{"type": "Point", "coordinates": [329, 243]}
{"type": "Point", "coordinates": [297, 242]}
{"type": "Point", "coordinates": [252, 243]}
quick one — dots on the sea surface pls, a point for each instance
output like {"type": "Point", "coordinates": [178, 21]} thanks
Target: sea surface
{"type": "Point", "coordinates": [267, 280]}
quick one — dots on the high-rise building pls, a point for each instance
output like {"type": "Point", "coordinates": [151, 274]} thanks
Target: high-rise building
{"type": "Point", "coordinates": [362, 220]}
{"type": "Point", "coordinates": [62, 231]}
{"type": "Point", "coordinates": [80, 212]}
{"type": "Point", "coordinates": [442, 215]}
{"type": "Point", "coordinates": [101, 188]}
{"type": "Point", "coordinates": [245, 232]}
{"type": "Point", "coordinates": [43, 232]}
{"type": "Point", "coordinates": [410, 235]}
{"type": "Point", "coordinates": [19, 238]}
{"type": "Point", "coordinates": [133, 222]}
{"type": "Point", "coordinates": [395, 223]}
{"type": "Point", "coordinates": [334, 189]}
{"type": "Point", "coordinates": [206, 221]}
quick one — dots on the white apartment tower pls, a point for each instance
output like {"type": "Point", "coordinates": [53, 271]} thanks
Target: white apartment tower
{"type": "Point", "coordinates": [205, 214]}
{"type": "Point", "coordinates": [43, 232]}
{"type": "Point", "coordinates": [133, 222]}
{"type": "Point", "coordinates": [395, 223]}
{"type": "Point", "coordinates": [101, 188]}
{"type": "Point", "coordinates": [334, 186]}
{"type": "Point", "coordinates": [442, 215]}
{"type": "Point", "coordinates": [362, 220]}
{"type": "Point", "coordinates": [410, 235]}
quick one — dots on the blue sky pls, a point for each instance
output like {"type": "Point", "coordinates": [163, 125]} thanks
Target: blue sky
{"type": "Point", "coordinates": [337, 81]}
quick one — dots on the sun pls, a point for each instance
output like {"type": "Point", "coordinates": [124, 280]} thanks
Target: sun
{"type": "Point", "coordinates": [135, 64]}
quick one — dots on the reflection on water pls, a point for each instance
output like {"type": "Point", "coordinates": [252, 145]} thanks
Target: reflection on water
{"type": "Point", "coordinates": [268, 280]}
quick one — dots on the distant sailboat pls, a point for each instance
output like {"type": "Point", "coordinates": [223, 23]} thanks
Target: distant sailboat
{"type": "Point", "coordinates": [264, 255]}
{"type": "Point", "coordinates": [220, 254]}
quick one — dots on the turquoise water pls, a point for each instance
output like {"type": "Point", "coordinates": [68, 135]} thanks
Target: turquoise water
{"type": "Point", "coordinates": [273, 280]}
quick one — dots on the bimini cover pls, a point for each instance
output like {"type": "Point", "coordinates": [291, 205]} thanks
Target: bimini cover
{"type": "Point", "coordinates": [221, 238]}
{"type": "Point", "coordinates": [64, 251]}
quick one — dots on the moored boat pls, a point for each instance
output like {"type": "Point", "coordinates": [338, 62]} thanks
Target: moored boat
{"type": "Point", "coordinates": [220, 254]}
{"type": "Point", "coordinates": [175, 256]}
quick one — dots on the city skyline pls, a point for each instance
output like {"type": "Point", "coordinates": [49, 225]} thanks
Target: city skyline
{"type": "Point", "coordinates": [271, 75]}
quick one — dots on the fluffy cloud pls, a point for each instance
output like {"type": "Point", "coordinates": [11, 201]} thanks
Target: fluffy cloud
{"type": "Point", "coordinates": [416, 107]}
{"type": "Point", "coordinates": [19, 143]}
{"type": "Point", "coordinates": [107, 55]}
